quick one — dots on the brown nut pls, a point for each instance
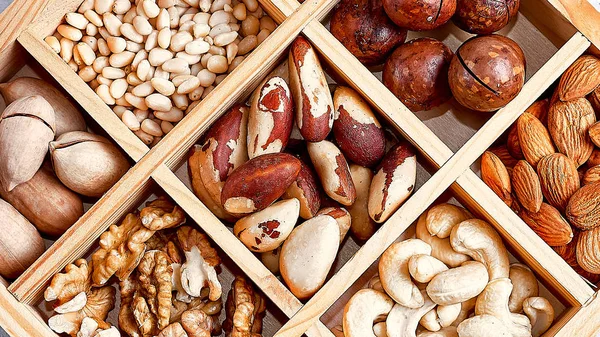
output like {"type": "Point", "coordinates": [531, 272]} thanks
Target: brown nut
{"type": "Point", "coordinates": [271, 118]}
{"type": "Point", "coordinates": [356, 129]}
{"type": "Point", "coordinates": [549, 224]}
{"type": "Point", "coordinates": [495, 175]}
{"type": "Point", "coordinates": [417, 73]}
{"type": "Point", "coordinates": [487, 72]}
{"type": "Point", "coordinates": [568, 124]}
{"type": "Point", "coordinates": [341, 216]}
{"type": "Point", "coordinates": [393, 182]}
{"type": "Point", "coordinates": [559, 179]}
{"type": "Point", "coordinates": [307, 190]}
{"type": "Point", "coordinates": [362, 226]}
{"type": "Point", "coordinates": [365, 30]}
{"type": "Point", "coordinates": [534, 138]}
{"type": "Point", "coordinates": [584, 206]}
{"type": "Point", "coordinates": [420, 14]}
{"type": "Point", "coordinates": [588, 256]}
{"type": "Point", "coordinates": [258, 182]}
{"type": "Point", "coordinates": [332, 168]}
{"type": "Point", "coordinates": [266, 230]}
{"type": "Point", "coordinates": [485, 16]}
{"type": "Point", "coordinates": [526, 186]}
{"type": "Point", "coordinates": [580, 79]}
{"type": "Point", "coordinates": [314, 106]}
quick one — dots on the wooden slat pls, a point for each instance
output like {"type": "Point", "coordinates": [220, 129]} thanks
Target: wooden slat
{"type": "Point", "coordinates": [20, 320]}
{"type": "Point", "coordinates": [582, 15]}
{"type": "Point", "coordinates": [584, 322]}
{"type": "Point", "coordinates": [233, 247]}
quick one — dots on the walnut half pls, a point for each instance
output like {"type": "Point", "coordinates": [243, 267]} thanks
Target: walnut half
{"type": "Point", "coordinates": [245, 310]}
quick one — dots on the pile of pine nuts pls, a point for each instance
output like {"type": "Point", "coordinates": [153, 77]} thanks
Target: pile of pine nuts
{"type": "Point", "coordinates": [152, 61]}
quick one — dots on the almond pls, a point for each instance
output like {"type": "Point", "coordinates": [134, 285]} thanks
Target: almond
{"type": "Point", "coordinates": [504, 155]}
{"type": "Point", "coordinates": [591, 176]}
{"type": "Point", "coordinates": [534, 138]}
{"type": "Point", "coordinates": [594, 133]}
{"type": "Point", "coordinates": [594, 158]}
{"type": "Point", "coordinates": [581, 78]}
{"type": "Point", "coordinates": [495, 175]}
{"type": "Point", "coordinates": [512, 144]}
{"type": "Point", "coordinates": [569, 254]}
{"type": "Point", "coordinates": [583, 210]}
{"type": "Point", "coordinates": [526, 186]}
{"type": "Point", "coordinates": [540, 110]}
{"type": "Point", "coordinates": [568, 123]}
{"type": "Point", "coordinates": [549, 225]}
{"type": "Point", "coordinates": [594, 98]}
{"type": "Point", "coordinates": [559, 179]}
{"type": "Point", "coordinates": [588, 250]}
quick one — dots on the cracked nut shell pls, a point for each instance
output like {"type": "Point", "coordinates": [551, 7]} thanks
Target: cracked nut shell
{"type": "Point", "coordinates": [485, 16]}
{"type": "Point", "coordinates": [420, 14]}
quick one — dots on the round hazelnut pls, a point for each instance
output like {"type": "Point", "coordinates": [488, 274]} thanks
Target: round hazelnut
{"type": "Point", "coordinates": [417, 73]}
{"type": "Point", "coordinates": [485, 16]}
{"type": "Point", "coordinates": [487, 72]}
{"type": "Point", "coordinates": [365, 30]}
{"type": "Point", "coordinates": [420, 14]}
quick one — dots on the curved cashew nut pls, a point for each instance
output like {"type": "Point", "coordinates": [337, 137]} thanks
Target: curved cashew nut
{"type": "Point", "coordinates": [440, 248]}
{"type": "Point", "coordinates": [394, 275]}
{"type": "Point", "coordinates": [466, 308]}
{"type": "Point", "coordinates": [458, 284]}
{"type": "Point", "coordinates": [483, 325]}
{"type": "Point", "coordinates": [480, 241]}
{"type": "Point", "coordinates": [525, 285]}
{"type": "Point", "coordinates": [540, 313]}
{"type": "Point", "coordinates": [403, 321]}
{"type": "Point", "coordinates": [443, 217]}
{"type": "Point", "coordinates": [441, 317]}
{"type": "Point", "coordinates": [494, 301]}
{"type": "Point", "coordinates": [445, 332]}
{"type": "Point", "coordinates": [380, 329]}
{"type": "Point", "coordinates": [366, 306]}
{"type": "Point", "coordinates": [424, 267]}
{"type": "Point", "coordinates": [430, 321]}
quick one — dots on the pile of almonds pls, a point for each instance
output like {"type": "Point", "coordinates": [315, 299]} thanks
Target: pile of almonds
{"type": "Point", "coordinates": [244, 173]}
{"type": "Point", "coordinates": [153, 61]}
{"type": "Point", "coordinates": [548, 172]}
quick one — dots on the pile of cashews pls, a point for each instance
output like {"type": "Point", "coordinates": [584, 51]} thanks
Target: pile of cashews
{"type": "Point", "coordinates": [454, 279]}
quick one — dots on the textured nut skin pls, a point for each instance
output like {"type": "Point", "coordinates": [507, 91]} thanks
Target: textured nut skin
{"type": "Point", "coordinates": [580, 79]}
{"type": "Point", "coordinates": [341, 216]}
{"type": "Point", "coordinates": [569, 254]}
{"type": "Point", "coordinates": [314, 105]}
{"type": "Point", "coordinates": [568, 124]}
{"type": "Point", "coordinates": [420, 14]}
{"type": "Point", "coordinates": [258, 183]}
{"type": "Point", "coordinates": [538, 109]}
{"type": "Point", "coordinates": [266, 230]}
{"type": "Point", "coordinates": [526, 186]}
{"type": "Point", "coordinates": [534, 139]}
{"type": "Point", "coordinates": [487, 72]}
{"type": "Point", "coordinates": [588, 252]}
{"type": "Point", "coordinates": [485, 16]}
{"type": "Point", "coordinates": [333, 170]}
{"type": "Point", "coordinates": [307, 190]}
{"type": "Point", "coordinates": [393, 182]}
{"type": "Point", "coordinates": [365, 30]}
{"type": "Point", "coordinates": [356, 129]}
{"type": "Point", "coordinates": [362, 227]}
{"type": "Point", "coordinates": [549, 224]}
{"type": "Point", "coordinates": [271, 118]}
{"type": "Point", "coordinates": [417, 73]}
{"type": "Point", "coordinates": [592, 175]}
{"type": "Point", "coordinates": [583, 209]}
{"type": "Point", "coordinates": [559, 179]}
{"type": "Point", "coordinates": [495, 175]}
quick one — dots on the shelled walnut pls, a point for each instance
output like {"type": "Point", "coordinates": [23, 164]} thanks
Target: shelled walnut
{"type": "Point", "coordinates": [245, 310]}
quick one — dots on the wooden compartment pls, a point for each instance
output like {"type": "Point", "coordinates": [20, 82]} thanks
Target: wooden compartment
{"type": "Point", "coordinates": [451, 154]}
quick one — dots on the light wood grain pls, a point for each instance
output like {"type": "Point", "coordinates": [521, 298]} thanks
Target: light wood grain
{"type": "Point", "coordinates": [584, 322]}
{"type": "Point", "coordinates": [20, 320]}
{"type": "Point", "coordinates": [582, 15]}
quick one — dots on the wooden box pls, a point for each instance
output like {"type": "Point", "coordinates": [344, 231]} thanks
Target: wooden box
{"type": "Point", "coordinates": [553, 33]}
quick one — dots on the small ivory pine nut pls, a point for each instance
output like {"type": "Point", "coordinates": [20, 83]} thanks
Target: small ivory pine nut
{"type": "Point", "coordinates": [206, 77]}
{"type": "Point", "coordinates": [91, 41]}
{"type": "Point", "coordinates": [77, 57]}
{"type": "Point", "coordinates": [220, 29]}
{"type": "Point", "coordinates": [166, 3]}
{"type": "Point", "coordinates": [130, 121]}
{"type": "Point", "coordinates": [163, 20]}
{"type": "Point", "coordinates": [119, 110]}
{"type": "Point", "coordinates": [195, 69]}
{"type": "Point", "coordinates": [116, 44]}
{"type": "Point", "coordinates": [180, 101]}
{"type": "Point", "coordinates": [204, 5]}
{"type": "Point", "coordinates": [103, 32]}
{"type": "Point", "coordinates": [219, 17]}
{"type": "Point", "coordinates": [142, 26]}
{"type": "Point", "coordinates": [159, 73]}
{"type": "Point", "coordinates": [103, 80]}
{"type": "Point", "coordinates": [216, 50]}
{"type": "Point", "coordinates": [267, 23]}
{"type": "Point", "coordinates": [263, 35]}
{"type": "Point", "coordinates": [158, 56]}
{"type": "Point", "coordinates": [196, 94]}
{"type": "Point", "coordinates": [218, 5]}
{"type": "Point", "coordinates": [53, 43]}
{"type": "Point", "coordinates": [103, 92]}
{"type": "Point", "coordinates": [134, 47]}
{"type": "Point", "coordinates": [209, 39]}
{"type": "Point", "coordinates": [175, 65]}
{"type": "Point", "coordinates": [144, 137]}
{"type": "Point", "coordinates": [239, 11]}
{"type": "Point", "coordinates": [228, 8]}
{"type": "Point", "coordinates": [217, 64]}
{"type": "Point", "coordinates": [121, 6]}
{"type": "Point", "coordinates": [164, 38]}
{"type": "Point", "coordinates": [166, 127]}
{"type": "Point", "coordinates": [190, 59]}
{"type": "Point", "coordinates": [138, 102]}
{"type": "Point", "coordinates": [163, 86]}
{"type": "Point", "coordinates": [250, 26]}
{"type": "Point", "coordinates": [103, 47]}
{"type": "Point", "coordinates": [151, 40]}
{"type": "Point", "coordinates": [143, 69]}
{"type": "Point", "coordinates": [121, 59]}
{"type": "Point", "coordinates": [143, 90]}
{"type": "Point", "coordinates": [177, 80]}
{"type": "Point", "coordinates": [232, 50]}
{"type": "Point", "coordinates": [99, 63]}
{"type": "Point", "coordinates": [151, 127]}
{"type": "Point", "coordinates": [192, 106]}
{"type": "Point", "coordinates": [133, 79]}
{"type": "Point", "coordinates": [103, 6]}
{"type": "Point", "coordinates": [73, 65]}
{"type": "Point", "coordinates": [158, 102]}
{"type": "Point", "coordinates": [76, 20]}
{"type": "Point", "coordinates": [235, 63]}
{"type": "Point", "coordinates": [93, 18]}
{"type": "Point", "coordinates": [122, 102]}
{"type": "Point", "coordinates": [150, 8]}
{"type": "Point", "coordinates": [85, 6]}
{"type": "Point", "coordinates": [207, 91]}
{"type": "Point", "coordinates": [185, 18]}
{"type": "Point", "coordinates": [86, 53]}
{"type": "Point", "coordinates": [140, 115]}
{"type": "Point", "coordinates": [173, 17]}
{"type": "Point", "coordinates": [87, 73]}
{"type": "Point", "coordinates": [234, 26]}
{"type": "Point", "coordinates": [191, 10]}
{"type": "Point", "coordinates": [174, 115]}
{"type": "Point", "coordinates": [220, 79]}
{"type": "Point", "coordinates": [113, 73]}
{"type": "Point", "coordinates": [139, 57]}
{"type": "Point", "coordinates": [118, 88]}
{"type": "Point", "coordinates": [129, 32]}
{"type": "Point", "coordinates": [112, 24]}
{"type": "Point", "coordinates": [247, 44]}
{"type": "Point", "coordinates": [179, 40]}
{"type": "Point", "coordinates": [204, 60]}
{"type": "Point", "coordinates": [201, 30]}
{"type": "Point", "coordinates": [139, 10]}
{"type": "Point", "coordinates": [131, 13]}
{"type": "Point", "coordinates": [91, 29]}
{"type": "Point", "coordinates": [188, 86]}
{"type": "Point", "coordinates": [187, 27]}
{"type": "Point", "coordinates": [190, 3]}
{"type": "Point", "coordinates": [70, 32]}
{"type": "Point", "coordinates": [225, 38]}
{"type": "Point", "coordinates": [202, 18]}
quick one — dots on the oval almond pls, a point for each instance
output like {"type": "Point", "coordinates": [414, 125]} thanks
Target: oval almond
{"type": "Point", "coordinates": [583, 209]}
{"type": "Point", "coordinates": [559, 179]}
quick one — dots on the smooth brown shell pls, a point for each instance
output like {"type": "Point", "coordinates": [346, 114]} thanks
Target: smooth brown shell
{"type": "Point", "coordinates": [485, 16]}
{"type": "Point", "coordinates": [417, 73]}
{"type": "Point", "coordinates": [487, 72]}
{"type": "Point", "coordinates": [365, 30]}
{"type": "Point", "coordinates": [420, 14]}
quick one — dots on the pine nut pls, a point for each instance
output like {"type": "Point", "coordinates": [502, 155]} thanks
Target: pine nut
{"type": "Point", "coordinates": [139, 57]}
{"type": "Point", "coordinates": [91, 29]}
{"type": "Point", "coordinates": [191, 3]}
{"type": "Point", "coordinates": [70, 32]}
{"type": "Point", "coordinates": [113, 73]}
{"type": "Point", "coordinates": [188, 86]}
{"type": "Point", "coordinates": [87, 73]}
{"type": "Point", "coordinates": [152, 128]}
{"type": "Point", "coordinates": [142, 26]}
{"type": "Point", "coordinates": [100, 63]}
{"type": "Point", "coordinates": [103, 6]}
{"type": "Point", "coordinates": [163, 86]}
{"type": "Point", "coordinates": [158, 102]}
{"type": "Point", "coordinates": [66, 49]}
{"type": "Point", "coordinates": [205, 5]}
{"type": "Point", "coordinates": [190, 59]}
{"type": "Point", "coordinates": [195, 69]}
{"type": "Point", "coordinates": [159, 56]}
{"type": "Point", "coordinates": [163, 20]}
{"type": "Point", "coordinates": [250, 26]}
{"type": "Point", "coordinates": [204, 60]}
{"type": "Point", "coordinates": [201, 30]}
{"type": "Point", "coordinates": [235, 63]}
{"type": "Point", "coordinates": [191, 10]}
{"type": "Point", "coordinates": [215, 50]}
{"type": "Point", "coordinates": [231, 50]}
{"type": "Point", "coordinates": [92, 42]}
{"type": "Point", "coordinates": [166, 3]}
{"type": "Point", "coordinates": [202, 18]}
{"type": "Point", "coordinates": [103, 47]}
{"type": "Point", "coordinates": [166, 127]}
{"type": "Point", "coordinates": [143, 69]}
{"type": "Point", "coordinates": [267, 23]}
{"type": "Point", "coordinates": [76, 57]}
{"type": "Point", "coordinates": [116, 44]}
{"type": "Point", "coordinates": [180, 101]}
{"type": "Point", "coordinates": [228, 8]}
{"type": "Point", "coordinates": [196, 94]}
{"type": "Point", "coordinates": [219, 17]}
{"type": "Point", "coordinates": [53, 43]}
{"type": "Point", "coordinates": [175, 65]}
{"type": "Point", "coordinates": [133, 46]}
{"type": "Point", "coordinates": [133, 79]}
{"type": "Point", "coordinates": [104, 93]}
{"type": "Point", "coordinates": [174, 115]}
{"type": "Point", "coordinates": [185, 18]}
{"type": "Point", "coordinates": [112, 24]}
{"type": "Point", "coordinates": [252, 5]}
{"type": "Point", "coordinates": [138, 102]}
{"type": "Point", "coordinates": [85, 6]}
{"type": "Point", "coordinates": [119, 110]}
{"type": "Point", "coordinates": [143, 90]}
{"type": "Point", "coordinates": [247, 44]}
{"type": "Point", "coordinates": [225, 38]}
{"type": "Point", "coordinates": [263, 35]}
{"type": "Point", "coordinates": [86, 53]}
{"type": "Point", "coordinates": [73, 65]}
{"type": "Point", "coordinates": [206, 77]}
{"type": "Point", "coordinates": [129, 32]}
{"type": "Point", "coordinates": [164, 38]}
{"type": "Point", "coordinates": [179, 40]}
{"type": "Point", "coordinates": [258, 13]}
{"type": "Point", "coordinates": [103, 32]}
{"type": "Point", "coordinates": [239, 11]}
{"type": "Point", "coordinates": [121, 6]}
{"type": "Point", "coordinates": [118, 88]}
{"type": "Point", "coordinates": [150, 8]}
{"type": "Point", "coordinates": [94, 18]}
{"type": "Point", "coordinates": [173, 17]}
{"type": "Point", "coordinates": [144, 137]}
{"type": "Point", "coordinates": [130, 121]}
{"type": "Point", "coordinates": [178, 80]}
{"type": "Point", "coordinates": [131, 13]}
{"type": "Point", "coordinates": [139, 10]}
{"type": "Point", "coordinates": [121, 59]}
{"type": "Point", "coordinates": [218, 5]}
{"type": "Point", "coordinates": [235, 27]}
{"type": "Point", "coordinates": [76, 20]}
{"type": "Point", "coordinates": [151, 40]}
{"type": "Point", "coordinates": [159, 73]}
{"type": "Point", "coordinates": [219, 29]}
{"type": "Point", "coordinates": [140, 115]}
{"type": "Point", "coordinates": [217, 64]}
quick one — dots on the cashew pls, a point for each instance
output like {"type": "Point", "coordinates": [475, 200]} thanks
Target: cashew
{"type": "Point", "coordinates": [484, 325]}
{"type": "Point", "coordinates": [375, 283]}
{"type": "Point", "coordinates": [363, 309]}
{"type": "Point", "coordinates": [458, 284]}
{"type": "Point", "coordinates": [429, 321]}
{"type": "Point", "coordinates": [540, 313]}
{"type": "Point", "coordinates": [394, 275]}
{"type": "Point", "coordinates": [403, 321]}
{"type": "Point", "coordinates": [494, 301]}
{"type": "Point", "coordinates": [424, 267]}
{"type": "Point", "coordinates": [380, 329]}
{"type": "Point", "coordinates": [525, 285]}
{"type": "Point", "coordinates": [480, 241]}
{"type": "Point", "coordinates": [443, 217]}
{"type": "Point", "coordinates": [466, 308]}
{"type": "Point", "coordinates": [440, 248]}
{"type": "Point", "coordinates": [445, 332]}
{"type": "Point", "coordinates": [447, 314]}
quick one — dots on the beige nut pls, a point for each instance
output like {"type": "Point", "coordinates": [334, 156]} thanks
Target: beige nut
{"type": "Point", "coordinates": [525, 285]}
{"type": "Point", "coordinates": [333, 170]}
{"type": "Point", "coordinates": [540, 313]}
{"type": "Point", "coordinates": [424, 267]}
{"type": "Point", "coordinates": [443, 217]}
{"type": "Point", "coordinates": [440, 248]}
{"type": "Point", "coordinates": [458, 284]}
{"type": "Point", "coordinates": [362, 310]}
{"type": "Point", "coordinates": [363, 227]}
{"type": "Point", "coordinates": [341, 216]}
{"type": "Point", "coordinates": [403, 321]}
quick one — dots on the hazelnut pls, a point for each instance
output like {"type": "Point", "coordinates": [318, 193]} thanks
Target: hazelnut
{"type": "Point", "coordinates": [487, 72]}
{"type": "Point", "coordinates": [420, 14]}
{"type": "Point", "coordinates": [485, 16]}
{"type": "Point", "coordinates": [417, 73]}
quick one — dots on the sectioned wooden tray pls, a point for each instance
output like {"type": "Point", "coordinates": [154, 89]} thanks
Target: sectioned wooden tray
{"type": "Point", "coordinates": [553, 33]}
